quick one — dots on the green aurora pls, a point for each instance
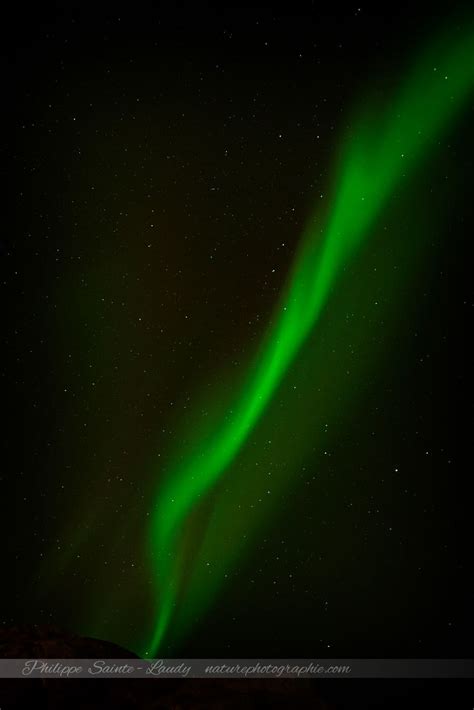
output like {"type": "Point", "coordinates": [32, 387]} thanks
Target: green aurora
{"type": "Point", "coordinates": [381, 149]}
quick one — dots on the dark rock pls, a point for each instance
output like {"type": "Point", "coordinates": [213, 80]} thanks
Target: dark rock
{"type": "Point", "coordinates": [156, 694]}
{"type": "Point", "coordinates": [45, 641]}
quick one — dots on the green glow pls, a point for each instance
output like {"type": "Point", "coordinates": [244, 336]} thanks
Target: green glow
{"type": "Point", "coordinates": [378, 153]}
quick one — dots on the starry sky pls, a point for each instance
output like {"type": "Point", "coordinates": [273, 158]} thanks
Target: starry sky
{"type": "Point", "coordinates": [163, 164]}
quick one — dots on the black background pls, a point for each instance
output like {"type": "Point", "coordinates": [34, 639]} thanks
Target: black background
{"type": "Point", "coordinates": [222, 66]}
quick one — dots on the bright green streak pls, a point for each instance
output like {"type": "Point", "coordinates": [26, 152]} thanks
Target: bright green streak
{"type": "Point", "coordinates": [379, 153]}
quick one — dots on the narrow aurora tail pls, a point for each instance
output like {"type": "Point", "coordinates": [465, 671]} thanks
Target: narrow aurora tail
{"type": "Point", "coordinates": [378, 154]}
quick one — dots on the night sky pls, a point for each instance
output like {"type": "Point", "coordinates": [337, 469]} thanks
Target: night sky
{"type": "Point", "coordinates": [162, 166]}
